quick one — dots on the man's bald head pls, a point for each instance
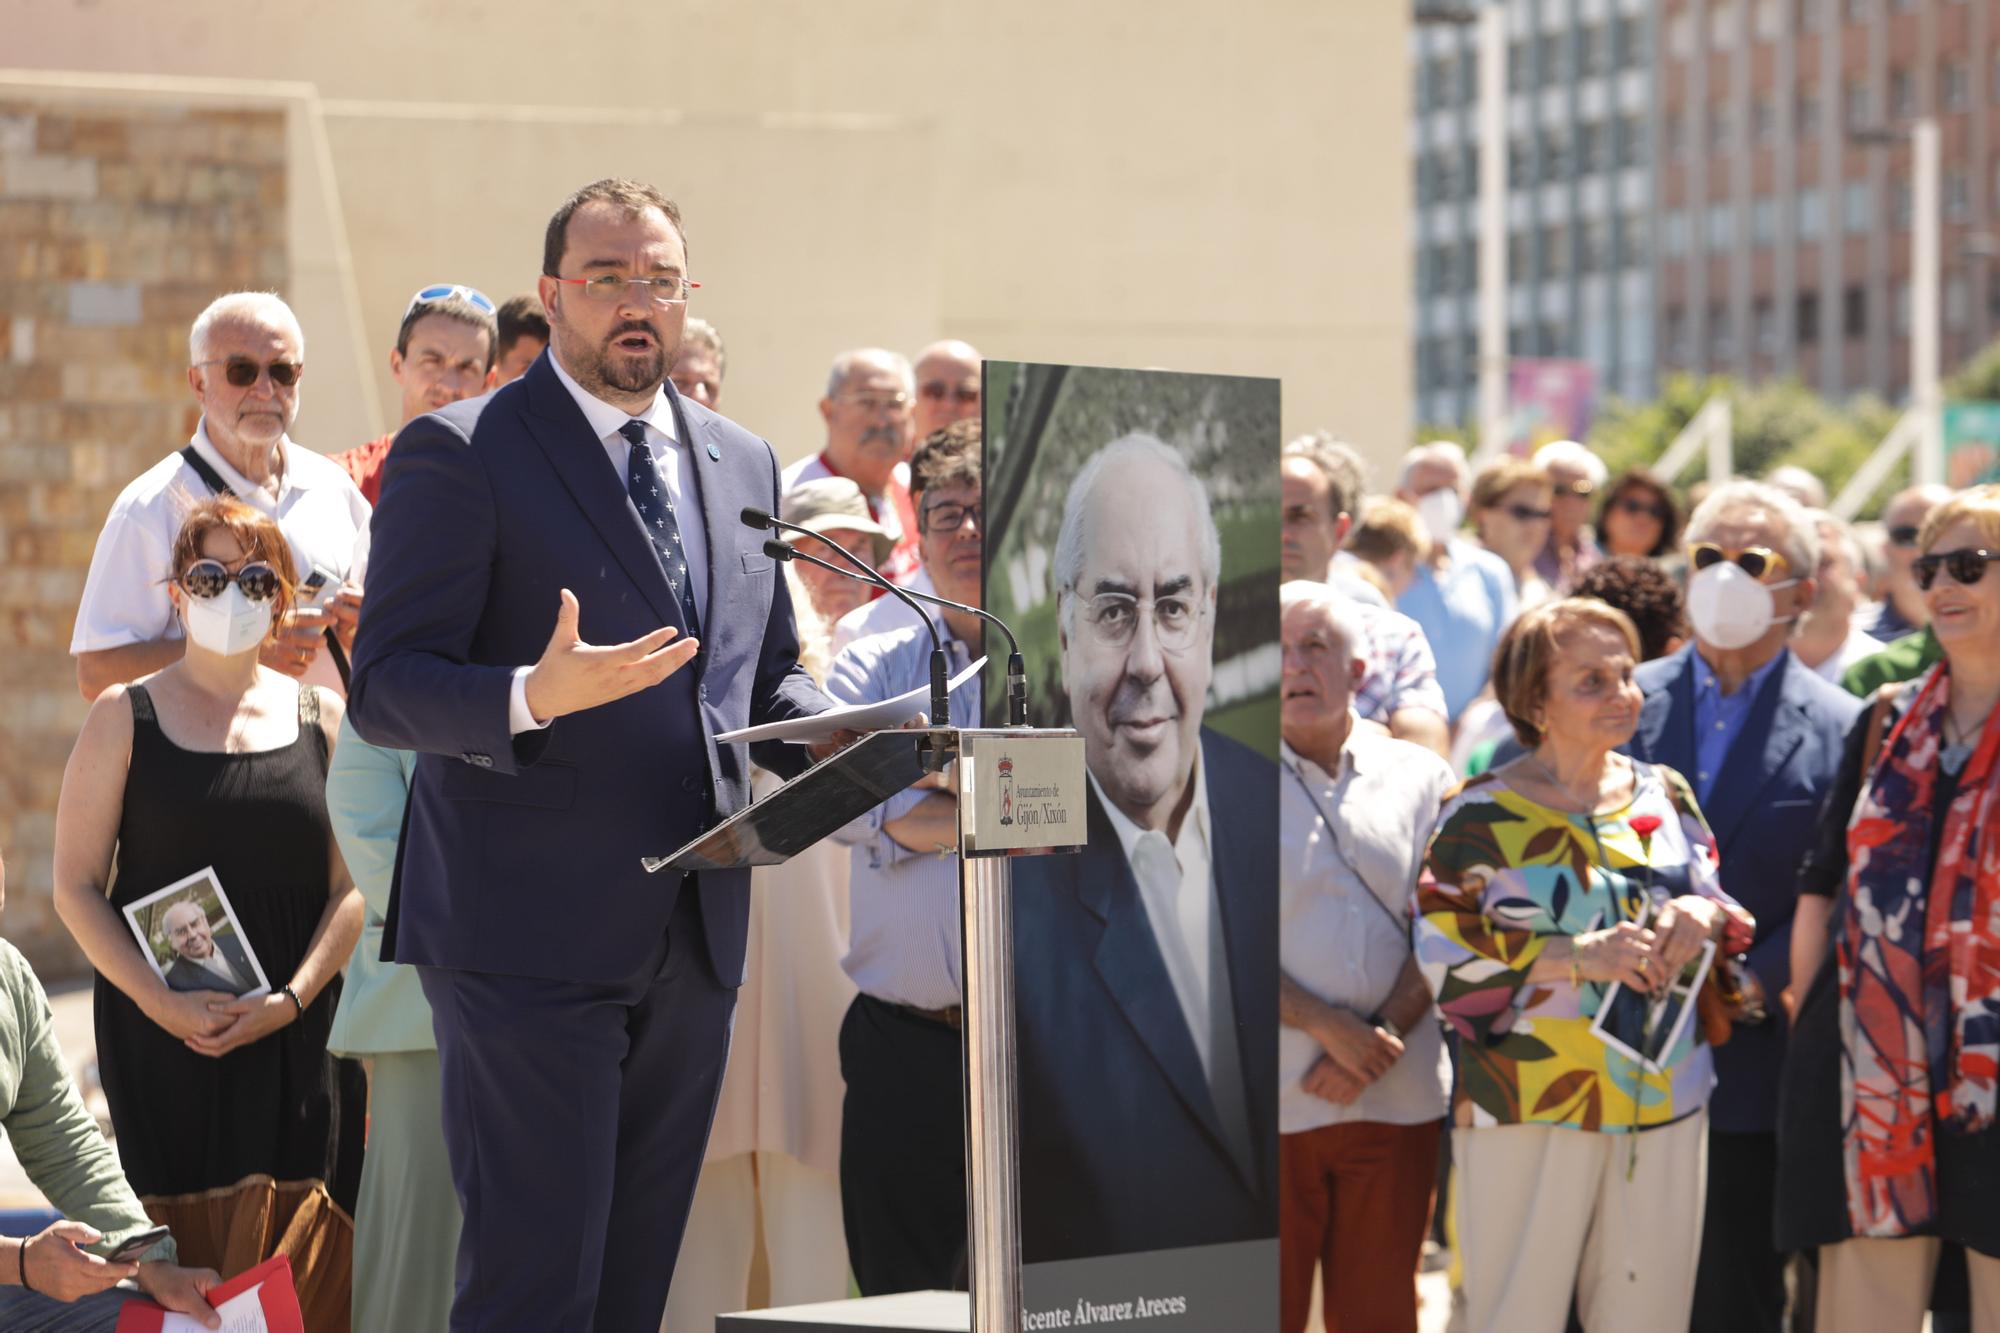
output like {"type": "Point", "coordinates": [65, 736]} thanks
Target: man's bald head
{"type": "Point", "coordinates": [947, 375]}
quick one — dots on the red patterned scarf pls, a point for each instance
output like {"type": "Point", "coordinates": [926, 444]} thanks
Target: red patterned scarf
{"type": "Point", "coordinates": [1919, 955]}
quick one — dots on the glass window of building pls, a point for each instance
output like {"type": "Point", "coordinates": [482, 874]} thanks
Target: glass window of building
{"type": "Point", "coordinates": [1633, 241]}
{"type": "Point", "coordinates": [1808, 317]}
{"type": "Point", "coordinates": [1957, 196]}
{"type": "Point", "coordinates": [1902, 93]}
{"type": "Point", "coordinates": [1722, 22]}
{"type": "Point", "coordinates": [1764, 325]}
{"type": "Point", "coordinates": [1680, 34]}
{"type": "Point", "coordinates": [1676, 336]}
{"type": "Point", "coordinates": [1901, 203]}
{"type": "Point", "coordinates": [1631, 142]}
{"type": "Point", "coordinates": [1764, 221]}
{"type": "Point", "coordinates": [1807, 112]}
{"type": "Point", "coordinates": [1764, 117]}
{"type": "Point", "coordinates": [1857, 207]}
{"type": "Point", "coordinates": [1954, 85]}
{"type": "Point", "coordinates": [1811, 15]}
{"type": "Point", "coordinates": [1719, 227]}
{"type": "Point", "coordinates": [1674, 232]}
{"type": "Point", "coordinates": [1856, 103]}
{"type": "Point", "coordinates": [1899, 308]}
{"type": "Point", "coordinates": [1721, 335]}
{"type": "Point", "coordinates": [1719, 127]}
{"type": "Point", "coordinates": [1957, 304]}
{"type": "Point", "coordinates": [1854, 311]}
{"type": "Point", "coordinates": [1812, 214]}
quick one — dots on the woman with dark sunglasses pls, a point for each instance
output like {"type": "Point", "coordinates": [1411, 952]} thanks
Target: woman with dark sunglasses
{"type": "Point", "coordinates": [1640, 517]}
{"type": "Point", "coordinates": [1887, 1145]}
{"type": "Point", "coordinates": [220, 762]}
{"type": "Point", "coordinates": [1512, 507]}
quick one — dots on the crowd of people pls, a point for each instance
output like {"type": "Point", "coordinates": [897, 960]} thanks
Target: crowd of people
{"type": "Point", "coordinates": [1638, 892]}
{"type": "Point", "coordinates": [1704, 915]}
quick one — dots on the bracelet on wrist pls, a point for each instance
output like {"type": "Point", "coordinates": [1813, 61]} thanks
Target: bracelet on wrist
{"type": "Point", "coordinates": [292, 995]}
{"type": "Point", "coordinates": [22, 1256]}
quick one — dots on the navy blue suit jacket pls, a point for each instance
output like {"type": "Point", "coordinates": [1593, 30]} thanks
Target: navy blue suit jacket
{"type": "Point", "coordinates": [1762, 810]}
{"type": "Point", "coordinates": [520, 855]}
{"type": "Point", "coordinates": [1121, 1146]}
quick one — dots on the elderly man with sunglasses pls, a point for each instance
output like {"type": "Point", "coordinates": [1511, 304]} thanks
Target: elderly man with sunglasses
{"type": "Point", "coordinates": [1758, 733]}
{"type": "Point", "coordinates": [246, 357]}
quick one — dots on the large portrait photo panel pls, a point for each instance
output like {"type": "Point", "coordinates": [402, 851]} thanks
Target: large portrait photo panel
{"type": "Point", "coordinates": [1132, 525]}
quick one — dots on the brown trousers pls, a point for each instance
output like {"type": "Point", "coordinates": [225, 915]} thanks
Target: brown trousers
{"type": "Point", "coordinates": [1356, 1202]}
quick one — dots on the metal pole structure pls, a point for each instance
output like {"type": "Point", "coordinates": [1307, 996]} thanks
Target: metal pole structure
{"type": "Point", "coordinates": [1492, 230]}
{"type": "Point", "coordinates": [1926, 394]}
{"type": "Point", "coordinates": [992, 1112]}
{"type": "Point", "coordinates": [1711, 430]}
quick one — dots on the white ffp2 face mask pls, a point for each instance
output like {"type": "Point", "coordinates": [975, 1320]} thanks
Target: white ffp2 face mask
{"type": "Point", "coordinates": [1730, 609]}
{"type": "Point", "coordinates": [1441, 511]}
{"type": "Point", "coordinates": [227, 623]}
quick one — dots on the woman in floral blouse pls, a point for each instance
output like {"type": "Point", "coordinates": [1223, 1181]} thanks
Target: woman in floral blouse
{"type": "Point", "coordinates": [1546, 881]}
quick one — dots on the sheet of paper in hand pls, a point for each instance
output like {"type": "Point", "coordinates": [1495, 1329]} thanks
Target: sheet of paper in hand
{"type": "Point", "coordinates": [190, 935]}
{"type": "Point", "coordinates": [1646, 1027]}
{"type": "Point", "coordinates": [261, 1300]}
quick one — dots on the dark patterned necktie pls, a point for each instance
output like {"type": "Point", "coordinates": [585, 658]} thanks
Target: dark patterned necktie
{"type": "Point", "coordinates": [656, 509]}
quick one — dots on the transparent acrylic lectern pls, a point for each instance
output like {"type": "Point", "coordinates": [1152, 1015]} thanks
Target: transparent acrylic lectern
{"type": "Point", "coordinates": [1020, 793]}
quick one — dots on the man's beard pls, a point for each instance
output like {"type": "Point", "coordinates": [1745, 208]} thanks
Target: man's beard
{"type": "Point", "coordinates": [599, 366]}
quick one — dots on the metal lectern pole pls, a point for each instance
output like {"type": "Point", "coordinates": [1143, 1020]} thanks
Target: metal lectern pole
{"type": "Point", "coordinates": [992, 1126]}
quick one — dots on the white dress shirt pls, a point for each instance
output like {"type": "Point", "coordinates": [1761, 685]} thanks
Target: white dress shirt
{"type": "Point", "coordinates": [675, 466]}
{"type": "Point", "coordinates": [1177, 885]}
{"type": "Point", "coordinates": [1343, 933]}
{"type": "Point", "coordinates": [316, 504]}
{"type": "Point", "coordinates": [885, 614]}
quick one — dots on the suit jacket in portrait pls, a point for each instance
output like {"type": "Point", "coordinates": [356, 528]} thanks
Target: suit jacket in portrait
{"type": "Point", "coordinates": [1122, 1147]}
{"type": "Point", "coordinates": [521, 855]}
{"type": "Point", "coordinates": [183, 975]}
{"type": "Point", "coordinates": [1762, 810]}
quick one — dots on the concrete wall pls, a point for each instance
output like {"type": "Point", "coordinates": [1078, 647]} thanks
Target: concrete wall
{"type": "Point", "coordinates": [1138, 182]}
{"type": "Point", "coordinates": [1134, 182]}
{"type": "Point", "coordinates": [118, 223]}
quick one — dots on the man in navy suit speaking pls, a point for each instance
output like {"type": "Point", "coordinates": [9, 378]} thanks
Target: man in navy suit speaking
{"type": "Point", "coordinates": [563, 612]}
{"type": "Point", "coordinates": [1148, 963]}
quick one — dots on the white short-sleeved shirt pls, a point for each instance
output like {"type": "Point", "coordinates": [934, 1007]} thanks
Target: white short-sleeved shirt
{"type": "Point", "coordinates": [318, 507]}
{"type": "Point", "coordinates": [1350, 844]}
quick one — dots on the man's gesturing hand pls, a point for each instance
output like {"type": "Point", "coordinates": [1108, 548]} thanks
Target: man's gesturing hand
{"type": "Point", "coordinates": [574, 675]}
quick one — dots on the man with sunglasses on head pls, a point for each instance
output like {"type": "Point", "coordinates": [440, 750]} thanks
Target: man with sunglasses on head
{"type": "Point", "coordinates": [406, 1224]}
{"type": "Point", "coordinates": [445, 349]}
{"type": "Point", "coordinates": [247, 357]}
{"type": "Point", "coordinates": [1758, 734]}
{"type": "Point", "coordinates": [565, 611]}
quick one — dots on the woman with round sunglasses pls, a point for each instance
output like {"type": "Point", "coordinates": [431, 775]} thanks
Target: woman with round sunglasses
{"type": "Point", "coordinates": [1639, 517]}
{"type": "Point", "coordinates": [220, 762]}
{"type": "Point", "coordinates": [1887, 1145]}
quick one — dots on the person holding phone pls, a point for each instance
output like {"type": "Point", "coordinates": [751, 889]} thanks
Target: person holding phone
{"type": "Point", "coordinates": [66, 1274]}
{"type": "Point", "coordinates": [246, 368]}
{"type": "Point", "coordinates": [1547, 880]}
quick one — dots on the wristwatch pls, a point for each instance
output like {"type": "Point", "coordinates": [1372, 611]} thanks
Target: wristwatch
{"type": "Point", "coordinates": [1375, 1020]}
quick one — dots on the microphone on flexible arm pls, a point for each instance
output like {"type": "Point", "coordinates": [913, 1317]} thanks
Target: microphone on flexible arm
{"type": "Point", "coordinates": [1017, 671]}
{"type": "Point", "coordinates": [934, 759]}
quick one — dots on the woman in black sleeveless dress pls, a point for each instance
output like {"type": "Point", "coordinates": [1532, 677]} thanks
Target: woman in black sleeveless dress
{"type": "Point", "coordinates": [217, 762]}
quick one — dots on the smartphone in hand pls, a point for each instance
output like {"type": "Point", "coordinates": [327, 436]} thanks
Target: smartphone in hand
{"type": "Point", "coordinates": [137, 1245]}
